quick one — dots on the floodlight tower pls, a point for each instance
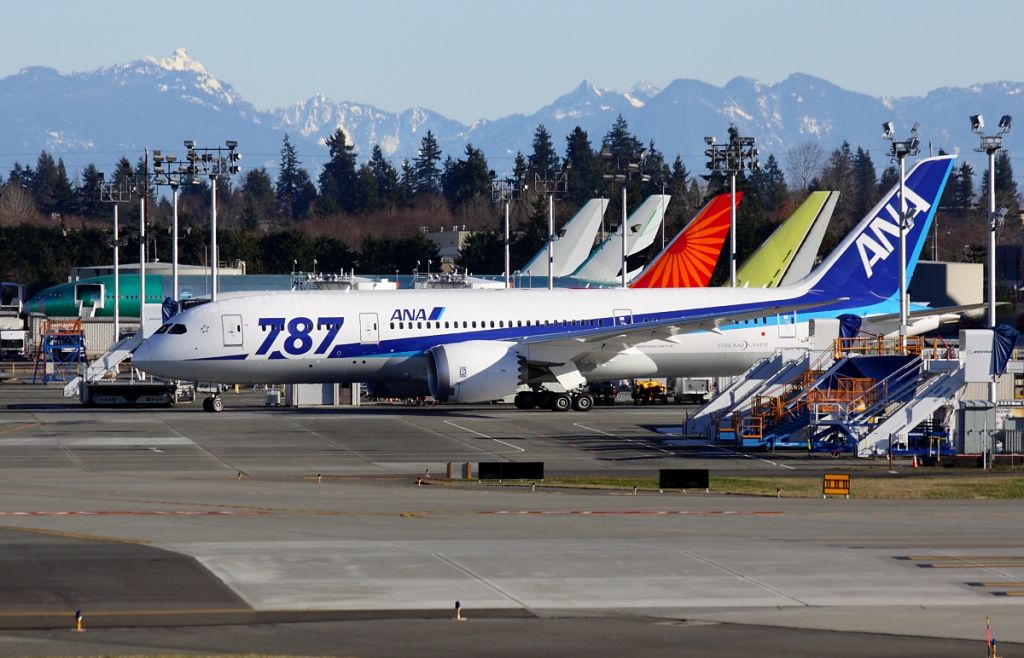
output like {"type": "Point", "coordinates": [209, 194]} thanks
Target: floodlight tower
{"type": "Point", "coordinates": [506, 191]}
{"type": "Point", "coordinates": [168, 171]}
{"type": "Point", "coordinates": [621, 171]}
{"type": "Point", "coordinates": [217, 162]}
{"type": "Point", "coordinates": [116, 192]}
{"type": "Point", "coordinates": [558, 185]}
{"type": "Point", "coordinates": [990, 145]}
{"type": "Point", "coordinates": [899, 150]}
{"type": "Point", "coordinates": [728, 160]}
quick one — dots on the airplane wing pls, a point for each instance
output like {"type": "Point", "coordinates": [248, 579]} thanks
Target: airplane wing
{"type": "Point", "coordinates": [546, 350]}
{"type": "Point", "coordinates": [926, 312]}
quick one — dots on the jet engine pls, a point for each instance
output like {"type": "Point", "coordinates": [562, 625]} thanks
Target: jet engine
{"type": "Point", "coordinates": [473, 371]}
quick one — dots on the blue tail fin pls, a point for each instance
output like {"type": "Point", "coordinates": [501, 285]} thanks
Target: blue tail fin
{"type": "Point", "coordinates": [866, 263]}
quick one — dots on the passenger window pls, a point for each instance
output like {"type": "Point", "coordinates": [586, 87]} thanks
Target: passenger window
{"type": "Point", "coordinates": [419, 325]}
{"type": "Point", "coordinates": [474, 324]}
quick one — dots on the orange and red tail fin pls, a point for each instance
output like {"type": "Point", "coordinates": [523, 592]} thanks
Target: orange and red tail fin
{"type": "Point", "coordinates": [689, 260]}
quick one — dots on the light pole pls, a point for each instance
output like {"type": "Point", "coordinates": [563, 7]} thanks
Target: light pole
{"type": "Point", "coordinates": [171, 177]}
{"type": "Point", "coordinates": [558, 185]}
{"type": "Point", "coordinates": [217, 162]}
{"type": "Point", "coordinates": [143, 194]}
{"type": "Point", "coordinates": [621, 172]}
{"type": "Point", "coordinates": [899, 150]}
{"type": "Point", "coordinates": [729, 159]}
{"type": "Point", "coordinates": [116, 192]}
{"type": "Point", "coordinates": [990, 145]}
{"type": "Point", "coordinates": [506, 191]}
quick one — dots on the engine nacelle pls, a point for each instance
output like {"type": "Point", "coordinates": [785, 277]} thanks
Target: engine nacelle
{"type": "Point", "coordinates": [473, 371]}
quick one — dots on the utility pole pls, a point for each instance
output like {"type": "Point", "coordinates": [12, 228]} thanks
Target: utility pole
{"type": "Point", "coordinates": [990, 145]}
{"type": "Point", "coordinates": [558, 185]}
{"type": "Point", "coordinates": [622, 171]}
{"type": "Point", "coordinates": [899, 150]}
{"type": "Point", "coordinates": [506, 191]}
{"type": "Point", "coordinates": [739, 154]}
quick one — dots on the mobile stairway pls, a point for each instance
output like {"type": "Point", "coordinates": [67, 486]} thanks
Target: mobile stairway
{"type": "Point", "coordinates": [769, 375]}
{"type": "Point", "coordinates": [774, 372]}
{"type": "Point", "coordinates": [96, 387]}
{"type": "Point", "coordinates": [835, 400]}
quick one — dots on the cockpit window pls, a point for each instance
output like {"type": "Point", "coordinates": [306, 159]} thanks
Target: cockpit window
{"type": "Point", "coordinates": [177, 329]}
{"type": "Point", "coordinates": [163, 329]}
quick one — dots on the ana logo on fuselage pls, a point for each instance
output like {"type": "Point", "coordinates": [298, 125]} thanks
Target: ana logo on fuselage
{"type": "Point", "coordinates": [413, 314]}
{"type": "Point", "coordinates": [874, 245]}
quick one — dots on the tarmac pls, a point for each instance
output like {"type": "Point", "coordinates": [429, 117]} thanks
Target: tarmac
{"type": "Point", "coordinates": [304, 531]}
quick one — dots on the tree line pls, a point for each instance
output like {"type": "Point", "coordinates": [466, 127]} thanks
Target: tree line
{"type": "Point", "coordinates": [369, 215]}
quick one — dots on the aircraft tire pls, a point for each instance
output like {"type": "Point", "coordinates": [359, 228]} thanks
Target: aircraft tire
{"type": "Point", "coordinates": [526, 400]}
{"type": "Point", "coordinates": [561, 402]}
{"type": "Point", "coordinates": [206, 404]}
{"type": "Point", "coordinates": [583, 402]}
{"type": "Point", "coordinates": [217, 404]}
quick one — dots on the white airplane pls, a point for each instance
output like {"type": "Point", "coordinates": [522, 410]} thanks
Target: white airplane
{"type": "Point", "coordinates": [604, 265]}
{"type": "Point", "coordinates": [481, 345]}
{"type": "Point", "coordinates": [573, 242]}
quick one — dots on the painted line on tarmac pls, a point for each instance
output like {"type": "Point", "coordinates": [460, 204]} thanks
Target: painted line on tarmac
{"type": "Point", "coordinates": [20, 427]}
{"type": "Point", "coordinates": [622, 438]}
{"type": "Point", "coordinates": [466, 429]}
{"type": "Point", "coordinates": [136, 513]}
{"type": "Point", "coordinates": [632, 513]}
{"type": "Point", "coordinates": [760, 459]}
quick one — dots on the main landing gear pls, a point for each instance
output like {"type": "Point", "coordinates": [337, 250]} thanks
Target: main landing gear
{"type": "Point", "coordinates": [577, 400]}
{"type": "Point", "coordinates": [214, 403]}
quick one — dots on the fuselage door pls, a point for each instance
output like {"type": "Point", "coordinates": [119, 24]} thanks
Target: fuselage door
{"type": "Point", "coordinates": [787, 325]}
{"type": "Point", "coordinates": [232, 325]}
{"type": "Point", "coordinates": [368, 331]}
{"type": "Point", "coordinates": [622, 317]}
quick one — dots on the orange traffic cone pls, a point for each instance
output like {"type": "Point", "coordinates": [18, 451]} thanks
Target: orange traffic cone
{"type": "Point", "coordinates": [914, 465]}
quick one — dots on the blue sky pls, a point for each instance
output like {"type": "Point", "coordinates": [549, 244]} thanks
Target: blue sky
{"type": "Point", "coordinates": [471, 59]}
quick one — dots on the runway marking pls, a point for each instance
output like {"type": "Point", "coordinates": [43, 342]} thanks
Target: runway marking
{"type": "Point", "coordinates": [631, 513]}
{"type": "Point", "coordinates": [466, 429]}
{"type": "Point", "coordinates": [741, 576]}
{"type": "Point", "coordinates": [622, 438]}
{"type": "Point", "coordinates": [134, 612]}
{"type": "Point", "coordinates": [964, 561]}
{"type": "Point", "coordinates": [742, 454]}
{"type": "Point", "coordinates": [137, 513]}
{"type": "Point", "coordinates": [483, 581]}
{"type": "Point", "coordinates": [21, 427]}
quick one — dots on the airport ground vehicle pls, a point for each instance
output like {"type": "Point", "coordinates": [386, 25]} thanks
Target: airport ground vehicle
{"type": "Point", "coordinates": [650, 392]}
{"type": "Point", "coordinates": [604, 393]}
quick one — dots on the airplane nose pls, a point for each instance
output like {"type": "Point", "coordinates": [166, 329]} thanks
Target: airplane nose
{"type": "Point", "coordinates": [143, 353]}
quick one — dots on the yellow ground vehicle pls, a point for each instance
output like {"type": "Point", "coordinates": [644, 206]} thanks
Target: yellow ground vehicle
{"type": "Point", "coordinates": [649, 392]}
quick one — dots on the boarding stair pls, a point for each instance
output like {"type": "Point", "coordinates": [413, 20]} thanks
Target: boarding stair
{"type": "Point", "coordinates": [102, 366]}
{"type": "Point", "coordinates": [775, 371]}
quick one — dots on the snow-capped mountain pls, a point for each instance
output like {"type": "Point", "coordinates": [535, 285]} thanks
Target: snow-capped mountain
{"type": "Point", "coordinates": [97, 116]}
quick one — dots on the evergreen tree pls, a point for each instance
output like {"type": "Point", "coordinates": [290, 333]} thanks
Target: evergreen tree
{"type": "Point", "coordinates": [88, 194]}
{"type": "Point", "coordinates": [44, 184]}
{"type": "Point", "coordinates": [520, 167]}
{"type": "Point", "coordinates": [1006, 187]}
{"type": "Point", "coordinates": [964, 193]}
{"type": "Point", "coordinates": [367, 194]}
{"type": "Point", "coordinates": [466, 179]}
{"type": "Point", "coordinates": [768, 185]}
{"type": "Point", "coordinates": [293, 184]}
{"type": "Point", "coordinates": [864, 184]}
{"type": "Point", "coordinates": [385, 175]}
{"type": "Point", "coordinates": [338, 179]}
{"type": "Point", "coordinates": [890, 178]}
{"type": "Point", "coordinates": [428, 174]}
{"type": "Point", "coordinates": [406, 189]}
{"type": "Point", "coordinates": [543, 162]}
{"type": "Point", "coordinates": [584, 167]}
{"type": "Point", "coordinates": [20, 176]}
{"type": "Point", "coordinates": [622, 144]}
{"type": "Point", "coordinates": [257, 198]}
{"type": "Point", "coordinates": [837, 174]}
{"type": "Point", "coordinates": [481, 250]}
